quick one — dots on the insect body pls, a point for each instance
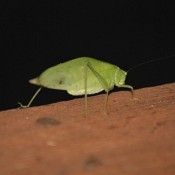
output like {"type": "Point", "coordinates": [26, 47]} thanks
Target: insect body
{"type": "Point", "coordinates": [82, 76]}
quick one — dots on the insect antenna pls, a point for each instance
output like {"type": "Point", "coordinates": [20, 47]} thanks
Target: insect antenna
{"type": "Point", "coordinates": [150, 61]}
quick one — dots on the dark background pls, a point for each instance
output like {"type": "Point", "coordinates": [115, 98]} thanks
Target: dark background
{"type": "Point", "coordinates": [38, 34]}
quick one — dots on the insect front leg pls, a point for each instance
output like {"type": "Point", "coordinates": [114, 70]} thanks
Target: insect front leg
{"type": "Point", "coordinates": [128, 87]}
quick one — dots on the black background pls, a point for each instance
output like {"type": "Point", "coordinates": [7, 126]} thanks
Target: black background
{"type": "Point", "coordinates": [38, 34]}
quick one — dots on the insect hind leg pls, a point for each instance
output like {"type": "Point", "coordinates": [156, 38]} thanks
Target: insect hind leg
{"type": "Point", "coordinates": [102, 82]}
{"type": "Point", "coordinates": [31, 100]}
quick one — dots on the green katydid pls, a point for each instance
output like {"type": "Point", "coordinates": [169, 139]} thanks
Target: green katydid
{"type": "Point", "coordinates": [81, 76]}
